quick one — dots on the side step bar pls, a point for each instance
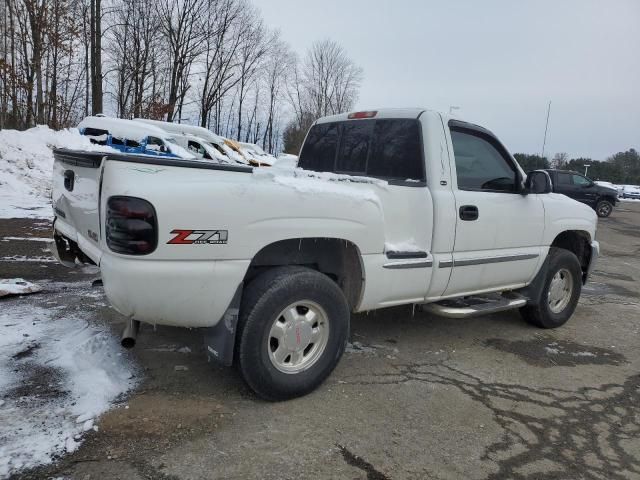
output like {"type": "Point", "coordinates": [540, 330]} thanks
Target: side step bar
{"type": "Point", "coordinates": [476, 305]}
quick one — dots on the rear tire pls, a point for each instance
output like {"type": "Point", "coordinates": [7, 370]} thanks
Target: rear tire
{"type": "Point", "coordinates": [560, 292]}
{"type": "Point", "coordinates": [604, 208]}
{"type": "Point", "coordinates": [293, 329]}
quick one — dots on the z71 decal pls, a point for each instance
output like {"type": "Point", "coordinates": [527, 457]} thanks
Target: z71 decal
{"type": "Point", "coordinates": [199, 237]}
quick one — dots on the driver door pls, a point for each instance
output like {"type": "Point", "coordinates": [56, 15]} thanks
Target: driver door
{"type": "Point", "coordinates": [499, 231]}
{"type": "Point", "coordinates": [584, 188]}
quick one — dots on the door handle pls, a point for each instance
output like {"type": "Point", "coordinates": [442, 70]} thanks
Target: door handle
{"type": "Point", "coordinates": [468, 212]}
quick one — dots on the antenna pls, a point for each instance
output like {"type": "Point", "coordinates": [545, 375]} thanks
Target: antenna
{"type": "Point", "coordinates": [546, 127]}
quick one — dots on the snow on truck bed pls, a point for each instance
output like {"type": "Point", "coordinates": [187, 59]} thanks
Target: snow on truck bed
{"type": "Point", "coordinates": [26, 163]}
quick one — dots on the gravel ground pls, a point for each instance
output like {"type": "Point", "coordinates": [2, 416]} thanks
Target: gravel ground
{"type": "Point", "coordinates": [415, 396]}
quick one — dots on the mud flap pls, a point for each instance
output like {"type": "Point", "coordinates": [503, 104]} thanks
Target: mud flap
{"type": "Point", "coordinates": [220, 339]}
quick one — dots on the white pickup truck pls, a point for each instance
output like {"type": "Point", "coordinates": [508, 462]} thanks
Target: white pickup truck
{"type": "Point", "coordinates": [387, 207]}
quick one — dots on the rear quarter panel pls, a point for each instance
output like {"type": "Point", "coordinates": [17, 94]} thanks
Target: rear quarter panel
{"type": "Point", "coordinates": [192, 284]}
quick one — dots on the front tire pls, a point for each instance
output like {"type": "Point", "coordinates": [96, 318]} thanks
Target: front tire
{"type": "Point", "coordinates": [293, 329]}
{"type": "Point", "coordinates": [604, 208]}
{"type": "Point", "coordinates": [560, 291]}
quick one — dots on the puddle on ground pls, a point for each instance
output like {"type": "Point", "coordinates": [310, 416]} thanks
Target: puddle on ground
{"type": "Point", "coordinates": [615, 276]}
{"type": "Point", "coordinates": [548, 352]}
{"type": "Point", "coordinates": [600, 289]}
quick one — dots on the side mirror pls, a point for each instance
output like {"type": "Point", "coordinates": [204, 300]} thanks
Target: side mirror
{"type": "Point", "coordinates": [538, 181]}
{"type": "Point", "coordinates": [163, 149]}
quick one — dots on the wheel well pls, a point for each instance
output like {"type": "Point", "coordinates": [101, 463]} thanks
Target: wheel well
{"type": "Point", "coordinates": [578, 242]}
{"type": "Point", "coordinates": [608, 198]}
{"type": "Point", "coordinates": [338, 259]}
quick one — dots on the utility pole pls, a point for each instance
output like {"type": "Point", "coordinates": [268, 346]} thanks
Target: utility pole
{"type": "Point", "coordinates": [586, 167]}
{"type": "Point", "coordinates": [546, 127]}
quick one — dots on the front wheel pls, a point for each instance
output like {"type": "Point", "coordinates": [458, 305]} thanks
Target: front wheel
{"type": "Point", "coordinates": [293, 329]}
{"type": "Point", "coordinates": [560, 291]}
{"type": "Point", "coordinates": [604, 208]}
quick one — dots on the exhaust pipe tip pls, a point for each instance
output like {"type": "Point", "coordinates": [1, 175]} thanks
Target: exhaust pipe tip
{"type": "Point", "coordinates": [130, 333]}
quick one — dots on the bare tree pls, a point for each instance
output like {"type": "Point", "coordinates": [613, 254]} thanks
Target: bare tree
{"type": "Point", "coordinates": [211, 61]}
{"type": "Point", "coordinates": [182, 25]}
{"type": "Point", "coordinates": [95, 30]}
{"type": "Point", "coordinates": [135, 48]}
{"type": "Point", "coordinates": [279, 66]}
{"type": "Point", "coordinates": [330, 79]}
{"type": "Point", "coordinates": [224, 31]}
{"type": "Point", "coordinates": [254, 45]}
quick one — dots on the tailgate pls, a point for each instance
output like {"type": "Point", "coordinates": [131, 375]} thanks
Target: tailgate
{"type": "Point", "coordinates": [76, 198]}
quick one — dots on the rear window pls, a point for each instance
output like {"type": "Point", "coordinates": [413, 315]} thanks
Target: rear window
{"type": "Point", "coordinates": [397, 151]}
{"type": "Point", "coordinates": [319, 150]}
{"type": "Point", "coordinates": [354, 147]}
{"type": "Point", "coordinates": [385, 148]}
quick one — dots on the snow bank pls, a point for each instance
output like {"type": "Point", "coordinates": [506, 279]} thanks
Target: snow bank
{"type": "Point", "coordinates": [26, 163]}
{"type": "Point", "coordinates": [306, 181]}
{"type": "Point", "coordinates": [17, 286]}
{"type": "Point", "coordinates": [57, 375]}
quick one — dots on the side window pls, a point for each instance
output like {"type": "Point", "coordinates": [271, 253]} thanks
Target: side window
{"type": "Point", "coordinates": [117, 140]}
{"type": "Point", "coordinates": [397, 150]}
{"type": "Point", "coordinates": [132, 143]}
{"type": "Point", "coordinates": [155, 144]}
{"type": "Point", "coordinates": [479, 165]}
{"type": "Point", "coordinates": [564, 179]}
{"type": "Point", "coordinates": [96, 135]}
{"type": "Point", "coordinates": [196, 148]}
{"type": "Point", "coordinates": [580, 181]}
{"type": "Point", "coordinates": [354, 147]}
{"type": "Point", "coordinates": [319, 150]}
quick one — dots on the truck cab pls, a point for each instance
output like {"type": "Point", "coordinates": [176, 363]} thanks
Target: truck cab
{"type": "Point", "coordinates": [581, 188]}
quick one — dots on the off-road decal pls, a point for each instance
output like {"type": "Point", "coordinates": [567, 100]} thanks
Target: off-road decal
{"type": "Point", "coordinates": [199, 237]}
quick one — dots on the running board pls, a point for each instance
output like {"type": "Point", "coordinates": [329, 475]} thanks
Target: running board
{"type": "Point", "coordinates": [476, 305]}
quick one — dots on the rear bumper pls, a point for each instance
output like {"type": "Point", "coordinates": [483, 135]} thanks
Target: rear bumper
{"type": "Point", "coordinates": [595, 253]}
{"type": "Point", "coordinates": [171, 292]}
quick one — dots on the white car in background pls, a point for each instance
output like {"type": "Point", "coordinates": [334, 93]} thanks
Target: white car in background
{"type": "Point", "coordinates": [257, 154]}
{"type": "Point", "coordinates": [631, 192]}
{"type": "Point", "coordinates": [203, 143]}
{"type": "Point", "coordinates": [129, 136]}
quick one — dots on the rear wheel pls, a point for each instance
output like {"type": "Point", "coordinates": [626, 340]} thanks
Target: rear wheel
{"type": "Point", "coordinates": [560, 291]}
{"type": "Point", "coordinates": [604, 208]}
{"type": "Point", "coordinates": [293, 329]}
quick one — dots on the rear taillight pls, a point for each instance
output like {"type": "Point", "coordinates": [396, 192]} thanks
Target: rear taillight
{"type": "Point", "coordinates": [131, 226]}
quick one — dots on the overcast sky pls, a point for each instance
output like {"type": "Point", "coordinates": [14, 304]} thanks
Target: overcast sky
{"type": "Point", "coordinates": [500, 61]}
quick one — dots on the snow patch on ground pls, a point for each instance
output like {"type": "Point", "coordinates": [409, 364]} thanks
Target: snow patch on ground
{"type": "Point", "coordinates": [554, 349]}
{"type": "Point", "coordinates": [17, 286]}
{"type": "Point", "coordinates": [26, 239]}
{"type": "Point", "coordinates": [57, 375]}
{"type": "Point", "coordinates": [23, 258]}
{"type": "Point", "coordinates": [26, 165]}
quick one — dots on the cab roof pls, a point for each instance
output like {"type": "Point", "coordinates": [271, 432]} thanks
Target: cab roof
{"type": "Point", "coordinates": [379, 113]}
